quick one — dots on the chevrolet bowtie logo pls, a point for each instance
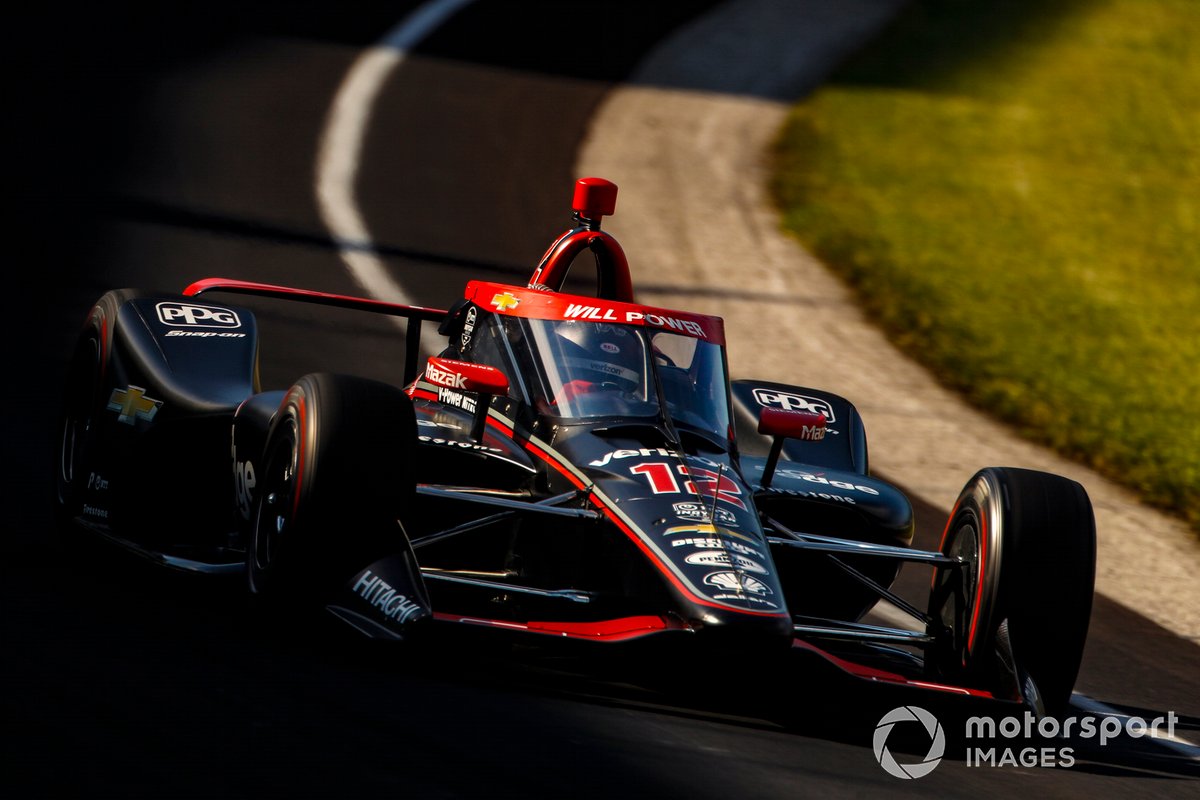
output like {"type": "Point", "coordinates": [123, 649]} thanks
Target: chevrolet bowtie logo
{"type": "Point", "coordinates": [505, 301]}
{"type": "Point", "coordinates": [132, 404]}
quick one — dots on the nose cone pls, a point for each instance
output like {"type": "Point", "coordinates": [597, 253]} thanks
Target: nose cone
{"type": "Point", "coordinates": [720, 628]}
{"type": "Point", "coordinates": [723, 642]}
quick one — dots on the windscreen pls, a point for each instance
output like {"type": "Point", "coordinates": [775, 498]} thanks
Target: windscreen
{"type": "Point", "coordinates": [591, 369]}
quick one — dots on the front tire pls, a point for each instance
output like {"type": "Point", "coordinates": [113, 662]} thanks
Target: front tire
{"type": "Point", "coordinates": [337, 475]}
{"type": "Point", "coordinates": [1019, 608]}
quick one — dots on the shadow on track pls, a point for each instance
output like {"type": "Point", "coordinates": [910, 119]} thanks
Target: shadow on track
{"type": "Point", "coordinates": [150, 683]}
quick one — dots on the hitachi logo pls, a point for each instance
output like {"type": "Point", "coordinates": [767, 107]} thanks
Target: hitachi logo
{"type": "Point", "coordinates": [380, 594]}
{"type": "Point", "coordinates": [441, 377]}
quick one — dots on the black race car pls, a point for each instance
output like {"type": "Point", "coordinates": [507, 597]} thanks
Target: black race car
{"type": "Point", "coordinates": [568, 466]}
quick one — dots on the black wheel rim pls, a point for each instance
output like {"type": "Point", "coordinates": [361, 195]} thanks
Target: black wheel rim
{"type": "Point", "coordinates": [277, 502]}
{"type": "Point", "coordinates": [81, 391]}
{"type": "Point", "coordinates": [956, 590]}
{"type": "Point", "coordinates": [966, 547]}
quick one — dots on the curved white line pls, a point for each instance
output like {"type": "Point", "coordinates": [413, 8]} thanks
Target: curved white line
{"type": "Point", "coordinates": [340, 151]}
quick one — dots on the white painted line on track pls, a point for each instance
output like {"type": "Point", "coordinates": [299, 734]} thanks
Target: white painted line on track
{"type": "Point", "coordinates": [339, 154]}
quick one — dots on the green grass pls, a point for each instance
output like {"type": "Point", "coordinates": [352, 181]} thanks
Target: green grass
{"type": "Point", "coordinates": [1013, 189]}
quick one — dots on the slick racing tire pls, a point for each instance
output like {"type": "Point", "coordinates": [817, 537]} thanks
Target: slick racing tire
{"type": "Point", "coordinates": [82, 405]}
{"type": "Point", "coordinates": [1018, 609]}
{"type": "Point", "coordinates": [80, 401]}
{"type": "Point", "coordinates": [337, 476]}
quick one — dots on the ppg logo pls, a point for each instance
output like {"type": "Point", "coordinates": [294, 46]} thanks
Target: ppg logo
{"type": "Point", "coordinates": [195, 316]}
{"type": "Point", "coordinates": [770, 398]}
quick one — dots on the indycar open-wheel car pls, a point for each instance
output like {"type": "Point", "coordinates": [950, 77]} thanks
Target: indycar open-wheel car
{"type": "Point", "coordinates": [568, 466]}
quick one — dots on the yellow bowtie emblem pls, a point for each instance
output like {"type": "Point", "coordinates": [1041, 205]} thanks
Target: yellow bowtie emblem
{"type": "Point", "coordinates": [132, 404]}
{"type": "Point", "coordinates": [505, 301]}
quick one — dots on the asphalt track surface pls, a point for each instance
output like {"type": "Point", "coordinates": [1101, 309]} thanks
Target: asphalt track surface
{"type": "Point", "coordinates": [153, 150]}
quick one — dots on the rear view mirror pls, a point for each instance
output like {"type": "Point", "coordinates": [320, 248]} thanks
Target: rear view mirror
{"type": "Point", "coordinates": [463, 376]}
{"type": "Point", "coordinates": [806, 426]}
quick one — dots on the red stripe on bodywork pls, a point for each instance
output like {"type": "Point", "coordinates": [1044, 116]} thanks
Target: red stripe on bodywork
{"type": "Point", "coordinates": [607, 630]}
{"type": "Point", "coordinates": [624, 628]}
{"type": "Point", "coordinates": [310, 296]}
{"type": "Point", "coordinates": [874, 674]}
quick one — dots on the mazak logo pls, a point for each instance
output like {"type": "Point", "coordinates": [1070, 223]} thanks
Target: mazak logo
{"type": "Point", "coordinates": [812, 433]}
{"type": "Point", "coordinates": [937, 742]}
{"type": "Point", "coordinates": [196, 316]}
{"type": "Point", "coordinates": [441, 377]}
{"type": "Point", "coordinates": [788, 401]}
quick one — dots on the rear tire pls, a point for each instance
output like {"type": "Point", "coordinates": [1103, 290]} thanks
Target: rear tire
{"type": "Point", "coordinates": [80, 402]}
{"type": "Point", "coordinates": [337, 474]}
{"type": "Point", "coordinates": [1020, 607]}
{"type": "Point", "coordinates": [83, 403]}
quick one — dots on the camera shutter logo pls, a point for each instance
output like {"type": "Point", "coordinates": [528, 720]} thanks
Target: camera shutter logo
{"type": "Point", "coordinates": [937, 743]}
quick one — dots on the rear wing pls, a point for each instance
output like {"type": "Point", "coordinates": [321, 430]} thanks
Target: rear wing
{"type": "Point", "coordinates": [414, 314]}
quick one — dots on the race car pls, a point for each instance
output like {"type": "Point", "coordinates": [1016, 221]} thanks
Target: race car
{"type": "Point", "coordinates": [566, 466]}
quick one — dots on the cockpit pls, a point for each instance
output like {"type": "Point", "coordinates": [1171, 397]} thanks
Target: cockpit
{"type": "Point", "coordinates": [580, 359]}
